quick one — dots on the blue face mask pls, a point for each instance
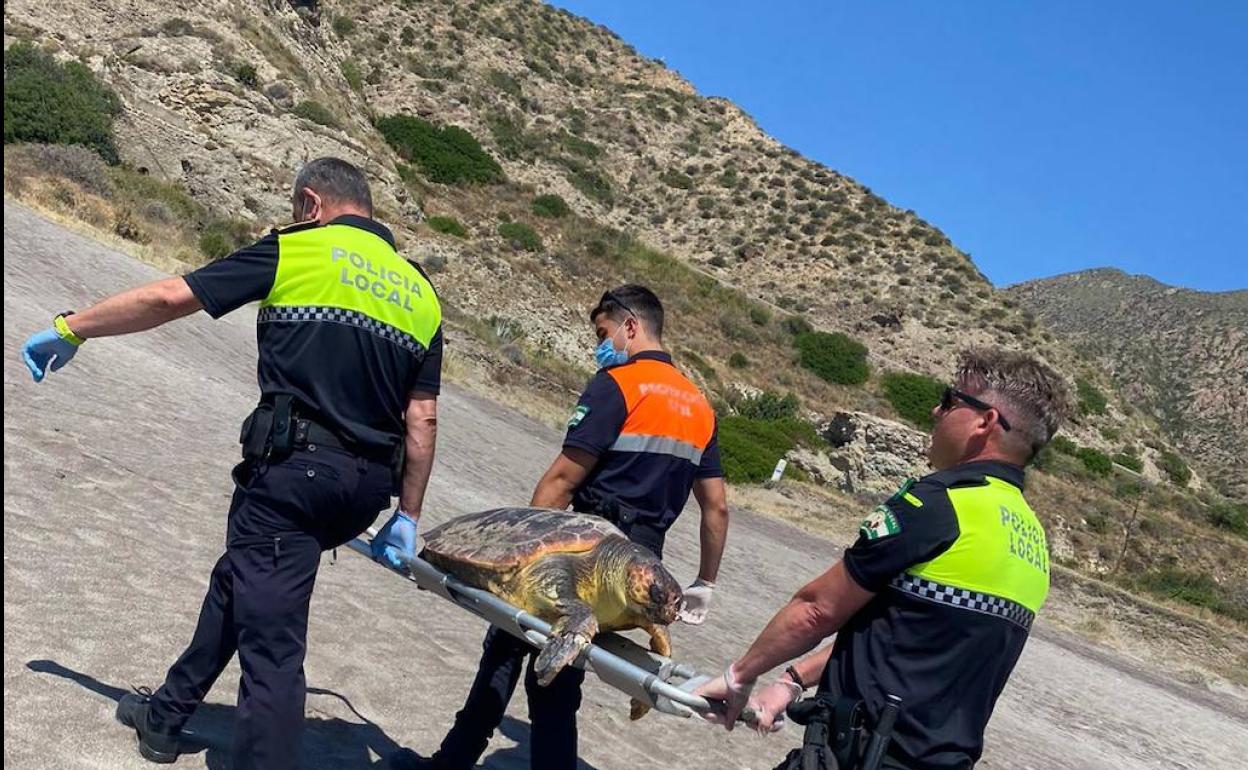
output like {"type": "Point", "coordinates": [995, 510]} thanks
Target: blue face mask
{"type": "Point", "coordinates": [606, 354]}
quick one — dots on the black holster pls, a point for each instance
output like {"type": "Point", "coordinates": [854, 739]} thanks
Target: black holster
{"type": "Point", "coordinates": [268, 432]}
{"type": "Point", "coordinates": [833, 736]}
{"type": "Point", "coordinates": [836, 736]}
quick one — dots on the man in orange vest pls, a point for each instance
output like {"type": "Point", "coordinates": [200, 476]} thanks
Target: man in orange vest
{"type": "Point", "coordinates": [641, 438]}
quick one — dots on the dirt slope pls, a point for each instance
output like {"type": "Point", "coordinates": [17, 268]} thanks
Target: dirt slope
{"type": "Point", "coordinates": [116, 483]}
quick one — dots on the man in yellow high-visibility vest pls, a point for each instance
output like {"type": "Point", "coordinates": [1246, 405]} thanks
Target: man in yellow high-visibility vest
{"type": "Point", "coordinates": [934, 601]}
{"type": "Point", "coordinates": [350, 352]}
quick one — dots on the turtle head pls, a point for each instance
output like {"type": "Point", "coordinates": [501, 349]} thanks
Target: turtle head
{"type": "Point", "coordinates": [652, 590]}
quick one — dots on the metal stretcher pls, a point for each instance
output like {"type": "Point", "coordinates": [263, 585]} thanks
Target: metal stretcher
{"type": "Point", "coordinates": [661, 682]}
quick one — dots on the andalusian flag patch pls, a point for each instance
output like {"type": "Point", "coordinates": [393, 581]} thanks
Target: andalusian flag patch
{"type": "Point", "coordinates": [881, 523]}
{"type": "Point", "coordinates": [577, 416]}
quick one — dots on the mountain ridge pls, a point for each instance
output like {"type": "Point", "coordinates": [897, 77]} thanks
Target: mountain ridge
{"type": "Point", "coordinates": [1180, 354]}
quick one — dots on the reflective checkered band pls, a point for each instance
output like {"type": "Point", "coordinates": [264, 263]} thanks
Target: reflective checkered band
{"type": "Point", "coordinates": [337, 315]}
{"type": "Point", "coordinates": [967, 600]}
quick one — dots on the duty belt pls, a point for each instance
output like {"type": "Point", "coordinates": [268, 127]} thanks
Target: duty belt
{"type": "Point", "coordinates": [275, 429]}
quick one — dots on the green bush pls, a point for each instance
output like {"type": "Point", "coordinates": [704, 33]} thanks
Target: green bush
{"type": "Point", "coordinates": [749, 448]}
{"type": "Point", "coordinates": [1091, 400]}
{"type": "Point", "coordinates": [1097, 462]}
{"type": "Point", "coordinates": [592, 184]}
{"type": "Point", "coordinates": [1195, 588]}
{"type": "Point", "coordinates": [1064, 445]}
{"type": "Point", "coordinates": [177, 27]}
{"type": "Point", "coordinates": [1097, 521]}
{"type": "Point", "coordinates": [834, 357]}
{"type": "Point", "coordinates": [1175, 468]}
{"type": "Point", "coordinates": [315, 112]}
{"type": "Point", "coordinates": [579, 146]}
{"type": "Point", "coordinates": [796, 325]}
{"type": "Point", "coordinates": [246, 74]}
{"type": "Point", "coordinates": [673, 178]}
{"type": "Point", "coordinates": [913, 396]}
{"type": "Point", "coordinates": [768, 406]}
{"type": "Point", "coordinates": [1129, 461]}
{"type": "Point", "coordinates": [504, 82]}
{"type": "Point", "coordinates": [550, 206]}
{"type": "Point", "coordinates": [446, 154]}
{"type": "Point", "coordinates": [738, 360]}
{"type": "Point", "coordinates": [521, 235]}
{"type": "Point", "coordinates": [221, 237]}
{"type": "Point", "coordinates": [759, 315]}
{"type": "Point", "coordinates": [52, 103]}
{"type": "Point", "coordinates": [510, 137]}
{"type": "Point", "coordinates": [1232, 516]}
{"type": "Point", "coordinates": [351, 71]}
{"type": "Point", "coordinates": [344, 25]}
{"type": "Point", "coordinates": [447, 226]}
{"type": "Point", "coordinates": [1043, 460]}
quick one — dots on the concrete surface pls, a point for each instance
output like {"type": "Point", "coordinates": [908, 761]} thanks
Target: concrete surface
{"type": "Point", "coordinates": [115, 489]}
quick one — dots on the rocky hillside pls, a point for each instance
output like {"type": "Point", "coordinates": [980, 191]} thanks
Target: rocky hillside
{"type": "Point", "coordinates": [595, 165]}
{"type": "Point", "coordinates": [567, 107]}
{"type": "Point", "coordinates": [1179, 355]}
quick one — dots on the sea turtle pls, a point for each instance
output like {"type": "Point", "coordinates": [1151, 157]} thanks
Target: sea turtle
{"type": "Point", "coordinates": [577, 572]}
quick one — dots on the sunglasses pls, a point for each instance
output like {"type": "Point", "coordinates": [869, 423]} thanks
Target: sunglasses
{"type": "Point", "coordinates": [952, 395]}
{"type": "Point", "coordinates": [613, 297]}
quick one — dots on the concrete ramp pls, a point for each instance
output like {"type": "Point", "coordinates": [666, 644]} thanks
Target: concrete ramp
{"type": "Point", "coordinates": [116, 484]}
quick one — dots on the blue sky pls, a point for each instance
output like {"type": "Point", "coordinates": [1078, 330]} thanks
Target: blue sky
{"type": "Point", "coordinates": [1043, 137]}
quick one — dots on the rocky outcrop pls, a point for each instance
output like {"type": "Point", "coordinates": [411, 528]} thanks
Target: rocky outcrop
{"type": "Point", "coordinates": [867, 455]}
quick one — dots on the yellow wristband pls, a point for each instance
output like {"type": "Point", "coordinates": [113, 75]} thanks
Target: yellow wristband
{"type": "Point", "coordinates": [67, 334]}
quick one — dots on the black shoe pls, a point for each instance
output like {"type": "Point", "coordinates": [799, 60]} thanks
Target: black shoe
{"type": "Point", "coordinates": [153, 746]}
{"type": "Point", "coordinates": [406, 759]}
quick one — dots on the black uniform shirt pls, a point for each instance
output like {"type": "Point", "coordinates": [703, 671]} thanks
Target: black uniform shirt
{"type": "Point", "coordinates": [945, 651]}
{"type": "Point", "coordinates": [348, 378]}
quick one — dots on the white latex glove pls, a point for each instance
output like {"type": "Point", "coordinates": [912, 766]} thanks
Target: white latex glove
{"type": "Point", "coordinates": [734, 694]}
{"type": "Point", "coordinates": [769, 704]}
{"type": "Point", "coordinates": [697, 602]}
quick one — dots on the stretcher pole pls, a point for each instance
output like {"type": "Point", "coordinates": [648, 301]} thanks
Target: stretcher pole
{"type": "Point", "coordinates": [617, 661]}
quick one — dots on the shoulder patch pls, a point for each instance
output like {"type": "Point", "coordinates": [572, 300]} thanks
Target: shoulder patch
{"type": "Point", "coordinates": [578, 415]}
{"type": "Point", "coordinates": [881, 523]}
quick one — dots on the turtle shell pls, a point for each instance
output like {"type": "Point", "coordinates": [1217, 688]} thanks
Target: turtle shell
{"type": "Point", "coordinates": [506, 538]}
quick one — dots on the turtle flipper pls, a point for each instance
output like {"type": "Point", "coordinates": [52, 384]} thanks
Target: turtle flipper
{"type": "Point", "coordinates": [661, 643]}
{"type": "Point", "coordinates": [574, 623]}
{"type": "Point", "coordinates": [570, 634]}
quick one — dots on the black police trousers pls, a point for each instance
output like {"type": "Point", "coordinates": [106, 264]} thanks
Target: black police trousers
{"type": "Point", "coordinates": [552, 709]}
{"type": "Point", "coordinates": [282, 516]}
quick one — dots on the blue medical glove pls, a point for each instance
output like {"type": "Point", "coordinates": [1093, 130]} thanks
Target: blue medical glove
{"type": "Point", "coordinates": [396, 541]}
{"type": "Point", "coordinates": [49, 345]}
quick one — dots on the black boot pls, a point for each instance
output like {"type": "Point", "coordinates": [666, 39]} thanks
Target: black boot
{"type": "Point", "coordinates": [406, 759]}
{"type": "Point", "coordinates": [132, 711]}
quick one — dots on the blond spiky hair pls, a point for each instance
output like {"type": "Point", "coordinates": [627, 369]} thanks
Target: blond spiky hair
{"type": "Point", "coordinates": [1032, 395]}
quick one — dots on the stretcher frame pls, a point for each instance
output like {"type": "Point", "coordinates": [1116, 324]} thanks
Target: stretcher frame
{"type": "Point", "coordinates": [662, 683]}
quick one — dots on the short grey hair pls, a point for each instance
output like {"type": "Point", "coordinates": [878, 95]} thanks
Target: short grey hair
{"type": "Point", "coordinates": [335, 179]}
{"type": "Point", "coordinates": [1033, 397]}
